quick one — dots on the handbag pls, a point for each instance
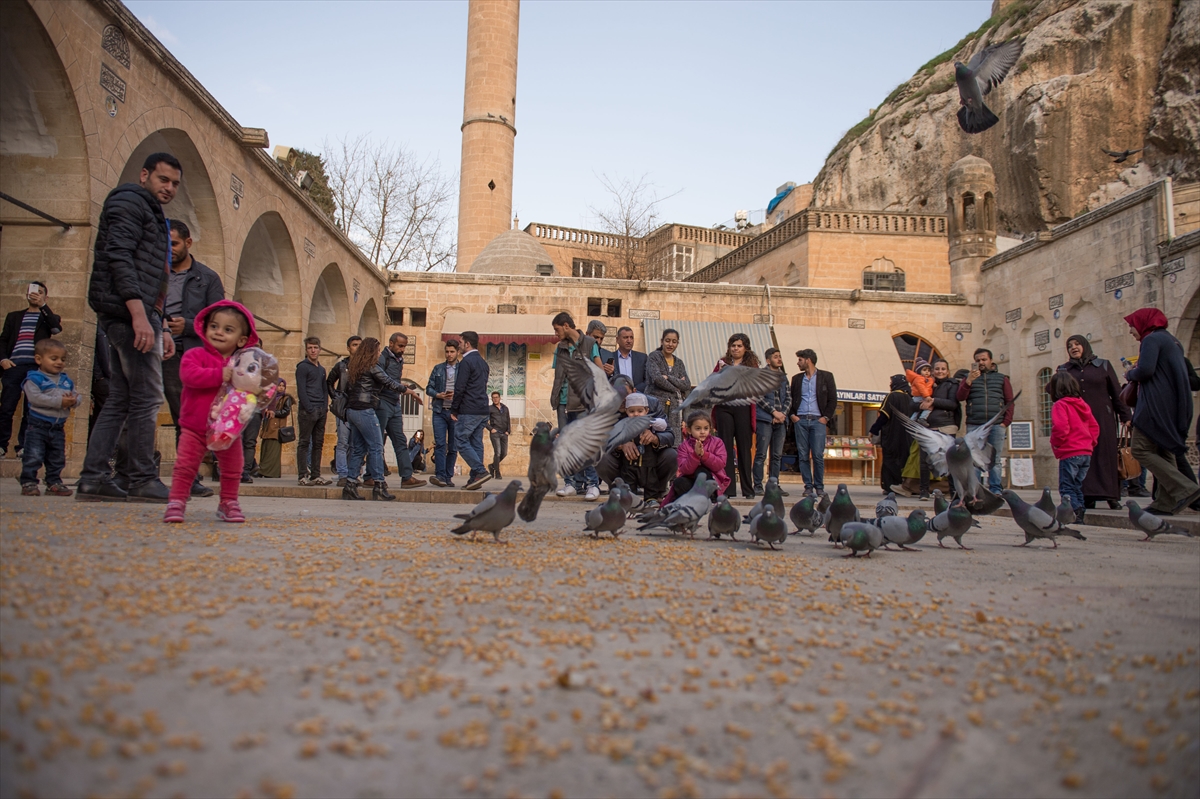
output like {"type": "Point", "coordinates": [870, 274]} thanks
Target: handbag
{"type": "Point", "coordinates": [337, 405]}
{"type": "Point", "coordinates": [1128, 467]}
{"type": "Point", "coordinates": [1129, 394]}
{"type": "Point", "coordinates": [287, 434]}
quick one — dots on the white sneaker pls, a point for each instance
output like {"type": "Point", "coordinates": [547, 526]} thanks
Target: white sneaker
{"type": "Point", "coordinates": [592, 493]}
{"type": "Point", "coordinates": [566, 491]}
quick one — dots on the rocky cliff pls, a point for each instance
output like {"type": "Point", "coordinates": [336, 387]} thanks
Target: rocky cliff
{"type": "Point", "coordinates": [1111, 74]}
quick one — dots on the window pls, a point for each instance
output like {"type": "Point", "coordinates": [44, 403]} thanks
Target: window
{"type": "Point", "coordinates": [594, 306]}
{"type": "Point", "coordinates": [614, 308]}
{"type": "Point", "coordinates": [599, 306]}
{"type": "Point", "coordinates": [968, 204]}
{"type": "Point", "coordinates": [416, 317]}
{"type": "Point", "coordinates": [883, 281]}
{"type": "Point", "coordinates": [682, 261]}
{"type": "Point", "coordinates": [506, 374]}
{"type": "Point", "coordinates": [911, 347]}
{"type": "Point", "coordinates": [582, 268]}
{"type": "Point", "coordinates": [1044, 401]}
{"type": "Point", "coordinates": [395, 316]}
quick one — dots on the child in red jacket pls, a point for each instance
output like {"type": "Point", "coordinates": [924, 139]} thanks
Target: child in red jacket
{"type": "Point", "coordinates": [701, 451]}
{"type": "Point", "coordinates": [1073, 436]}
{"type": "Point", "coordinates": [225, 327]}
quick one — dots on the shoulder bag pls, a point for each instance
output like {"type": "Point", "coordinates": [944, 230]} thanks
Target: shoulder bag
{"type": "Point", "coordinates": [1128, 467]}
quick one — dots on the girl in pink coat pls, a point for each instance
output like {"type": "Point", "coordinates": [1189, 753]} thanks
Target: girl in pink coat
{"type": "Point", "coordinates": [700, 451]}
{"type": "Point", "coordinates": [1073, 436]}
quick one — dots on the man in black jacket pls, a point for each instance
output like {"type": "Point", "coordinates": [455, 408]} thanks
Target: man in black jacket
{"type": "Point", "coordinates": [813, 404]}
{"type": "Point", "coordinates": [22, 331]}
{"type": "Point", "coordinates": [389, 412]}
{"type": "Point", "coordinates": [128, 291]}
{"type": "Point", "coordinates": [945, 413]}
{"type": "Point", "coordinates": [337, 383]}
{"type": "Point", "coordinates": [469, 408]}
{"type": "Point", "coordinates": [499, 425]}
{"type": "Point", "coordinates": [312, 391]}
{"type": "Point", "coordinates": [192, 288]}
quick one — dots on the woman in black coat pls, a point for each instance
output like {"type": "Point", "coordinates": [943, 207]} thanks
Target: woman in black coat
{"type": "Point", "coordinates": [1101, 391]}
{"type": "Point", "coordinates": [893, 436]}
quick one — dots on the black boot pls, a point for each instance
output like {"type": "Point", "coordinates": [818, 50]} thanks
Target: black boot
{"type": "Point", "coordinates": [379, 491]}
{"type": "Point", "coordinates": [350, 490]}
{"type": "Point", "coordinates": [1079, 514]}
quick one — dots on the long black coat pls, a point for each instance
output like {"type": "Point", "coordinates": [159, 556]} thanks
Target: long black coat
{"type": "Point", "coordinates": [893, 437]}
{"type": "Point", "coordinates": [1164, 407]}
{"type": "Point", "coordinates": [1101, 391]}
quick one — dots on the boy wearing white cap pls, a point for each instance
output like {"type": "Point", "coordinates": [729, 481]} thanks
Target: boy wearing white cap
{"type": "Point", "coordinates": [650, 461]}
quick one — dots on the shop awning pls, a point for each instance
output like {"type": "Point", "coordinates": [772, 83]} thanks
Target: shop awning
{"type": "Point", "coordinates": [702, 344]}
{"type": "Point", "coordinates": [862, 361]}
{"type": "Point", "coordinates": [497, 328]}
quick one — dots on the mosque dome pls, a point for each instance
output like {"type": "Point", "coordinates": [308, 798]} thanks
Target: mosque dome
{"type": "Point", "coordinates": [970, 168]}
{"type": "Point", "coordinates": [513, 252]}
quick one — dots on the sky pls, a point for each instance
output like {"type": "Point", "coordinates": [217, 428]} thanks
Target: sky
{"type": "Point", "coordinates": [715, 104]}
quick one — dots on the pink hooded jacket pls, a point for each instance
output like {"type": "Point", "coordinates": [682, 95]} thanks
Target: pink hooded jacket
{"type": "Point", "coordinates": [712, 462]}
{"type": "Point", "coordinates": [202, 368]}
{"type": "Point", "coordinates": [1073, 430]}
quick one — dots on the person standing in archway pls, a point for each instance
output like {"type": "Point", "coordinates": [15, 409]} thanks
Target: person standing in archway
{"type": "Point", "coordinates": [312, 392]}
{"type": "Point", "coordinates": [128, 291]}
{"type": "Point", "coordinates": [22, 331]}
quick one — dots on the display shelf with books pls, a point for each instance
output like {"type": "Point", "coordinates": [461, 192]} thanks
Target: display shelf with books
{"type": "Point", "coordinates": [852, 448]}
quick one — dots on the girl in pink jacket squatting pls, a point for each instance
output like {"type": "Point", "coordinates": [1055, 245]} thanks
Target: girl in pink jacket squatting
{"type": "Point", "coordinates": [700, 451]}
{"type": "Point", "coordinates": [225, 327]}
{"type": "Point", "coordinates": [1073, 436]}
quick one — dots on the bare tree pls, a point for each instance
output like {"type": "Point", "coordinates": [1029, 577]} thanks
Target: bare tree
{"type": "Point", "coordinates": [394, 206]}
{"type": "Point", "coordinates": [630, 218]}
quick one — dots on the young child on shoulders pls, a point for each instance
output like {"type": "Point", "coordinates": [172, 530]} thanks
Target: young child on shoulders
{"type": "Point", "coordinates": [1073, 436]}
{"type": "Point", "coordinates": [700, 451]}
{"type": "Point", "coordinates": [225, 327]}
{"type": "Point", "coordinates": [920, 381]}
{"type": "Point", "coordinates": [49, 397]}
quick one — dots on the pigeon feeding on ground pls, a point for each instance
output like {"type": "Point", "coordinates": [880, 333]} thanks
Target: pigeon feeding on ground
{"type": "Point", "coordinates": [805, 516]}
{"type": "Point", "coordinates": [768, 527]}
{"type": "Point", "coordinates": [683, 516]}
{"type": "Point", "coordinates": [1121, 156]}
{"type": "Point", "coordinates": [903, 531]}
{"type": "Point", "coordinates": [1065, 513]}
{"type": "Point", "coordinates": [1150, 524]}
{"type": "Point", "coordinates": [959, 457]}
{"type": "Point", "coordinates": [954, 523]}
{"type": "Point", "coordinates": [607, 517]}
{"type": "Point", "coordinates": [887, 506]}
{"type": "Point", "coordinates": [978, 77]}
{"type": "Point", "coordinates": [773, 496]}
{"type": "Point", "coordinates": [859, 536]}
{"type": "Point", "coordinates": [733, 385]}
{"type": "Point", "coordinates": [493, 513]}
{"type": "Point", "coordinates": [841, 511]}
{"type": "Point", "coordinates": [724, 519]}
{"type": "Point", "coordinates": [1035, 522]}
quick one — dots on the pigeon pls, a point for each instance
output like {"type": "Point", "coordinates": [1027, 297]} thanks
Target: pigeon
{"type": "Point", "coordinates": [823, 508]}
{"type": "Point", "coordinates": [1150, 524]}
{"type": "Point", "coordinates": [985, 502]}
{"type": "Point", "coordinates": [959, 457]}
{"type": "Point", "coordinates": [1035, 522]}
{"type": "Point", "coordinates": [804, 515]}
{"type": "Point", "coordinates": [684, 514]}
{"type": "Point", "coordinates": [1065, 513]}
{"type": "Point", "coordinates": [768, 527]}
{"type": "Point", "coordinates": [1120, 157]}
{"type": "Point", "coordinates": [978, 77]}
{"type": "Point", "coordinates": [773, 496]}
{"type": "Point", "coordinates": [954, 522]}
{"type": "Point", "coordinates": [724, 519]}
{"type": "Point", "coordinates": [607, 517]}
{"type": "Point", "coordinates": [628, 429]}
{"type": "Point", "coordinates": [887, 506]}
{"type": "Point", "coordinates": [903, 531]}
{"type": "Point", "coordinates": [733, 385]}
{"type": "Point", "coordinates": [493, 513]}
{"type": "Point", "coordinates": [939, 502]}
{"type": "Point", "coordinates": [1046, 503]}
{"type": "Point", "coordinates": [857, 536]}
{"type": "Point", "coordinates": [624, 493]}
{"type": "Point", "coordinates": [841, 511]}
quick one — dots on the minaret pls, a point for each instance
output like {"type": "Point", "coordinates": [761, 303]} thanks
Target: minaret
{"type": "Point", "coordinates": [489, 126]}
{"type": "Point", "coordinates": [971, 207]}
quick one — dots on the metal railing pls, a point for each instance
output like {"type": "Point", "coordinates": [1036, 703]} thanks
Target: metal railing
{"type": "Point", "coordinates": [32, 210]}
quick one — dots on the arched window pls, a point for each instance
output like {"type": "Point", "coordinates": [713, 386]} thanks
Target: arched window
{"type": "Point", "coordinates": [882, 275]}
{"type": "Point", "coordinates": [968, 203]}
{"type": "Point", "coordinates": [1044, 401]}
{"type": "Point", "coordinates": [910, 347]}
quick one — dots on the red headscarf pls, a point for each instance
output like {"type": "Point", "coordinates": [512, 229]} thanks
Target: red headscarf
{"type": "Point", "coordinates": [1146, 320]}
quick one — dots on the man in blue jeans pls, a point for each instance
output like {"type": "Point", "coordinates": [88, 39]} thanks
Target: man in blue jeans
{"type": "Point", "coordinates": [986, 391]}
{"type": "Point", "coordinates": [337, 383]}
{"type": "Point", "coordinates": [813, 404]}
{"type": "Point", "coordinates": [771, 425]}
{"type": "Point", "coordinates": [391, 419]}
{"type": "Point", "coordinates": [441, 388]}
{"type": "Point", "coordinates": [469, 408]}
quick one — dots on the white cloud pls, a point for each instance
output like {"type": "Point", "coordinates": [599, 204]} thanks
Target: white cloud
{"type": "Point", "coordinates": [161, 31]}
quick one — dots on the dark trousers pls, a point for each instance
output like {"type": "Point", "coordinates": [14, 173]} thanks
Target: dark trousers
{"type": "Point", "coordinates": [45, 444]}
{"type": "Point", "coordinates": [499, 450]}
{"type": "Point", "coordinates": [651, 472]}
{"type": "Point", "coordinates": [173, 389]}
{"type": "Point", "coordinates": [736, 433]}
{"type": "Point", "coordinates": [391, 424]}
{"type": "Point", "coordinates": [310, 439]}
{"type": "Point", "coordinates": [250, 445]}
{"type": "Point", "coordinates": [10, 395]}
{"type": "Point", "coordinates": [135, 393]}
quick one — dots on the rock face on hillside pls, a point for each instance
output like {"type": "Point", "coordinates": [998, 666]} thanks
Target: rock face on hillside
{"type": "Point", "coordinates": [1089, 78]}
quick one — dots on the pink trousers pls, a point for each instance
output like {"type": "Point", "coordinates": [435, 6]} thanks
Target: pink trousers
{"type": "Point", "coordinates": [188, 455]}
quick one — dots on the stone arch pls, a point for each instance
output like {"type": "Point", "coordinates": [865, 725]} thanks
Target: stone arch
{"type": "Point", "coordinates": [369, 324]}
{"type": "Point", "coordinates": [329, 312]}
{"type": "Point", "coordinates": [910, 346]}
{"type": "Point", "coordinates": [996, 340]}
{"type": "Point", "coordinates": [195, 204]}
{"type": "Point", "coordinates": [1083, 319]}
{"type": "Point", "coordinates": [791, 275]}
{"type": "Point", "coordinates": [969, 211]}
{"type": "Point", "coordinates": [989, 211]}
{"type": "Point", "coordinates": [1188, 331]}
{"type": "Point", "coordinates": [268, 280]}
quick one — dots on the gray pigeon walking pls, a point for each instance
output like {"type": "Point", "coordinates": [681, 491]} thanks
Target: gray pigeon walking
{"type": "Point", "coordinates": [939, 502]}
{"type": "Point", "coordinates": [978, 77]}
{"type": "Point", "coordinates": [624, 492]}
{"type": "Point", "coordinates": [773, 496]}
{"type": "Point", "coordinates": [768, 527]}
{"type": "Point", "coordinates": [954, 523]}
{"type": "Point", "coordinates": [1036, 523]}
{"type": "Point", "coordinates": [1045, 503]}
{"type": "Point", "coordinates": [724, 519]}
{"type": "Point", "coordinates": [733, 385]}
{"type": "Point", "coordinates": [607, 517]}
{"type": "Point", "coordinates": [493, 513]}
{"type": "Point", "coordinates": [903, 531]}
{"type": "Point", "coordinates": [958, 457]}
{"type": "Point", "coordinates": [1150, 524]}
{"type": "Point", "coordinates": [841, 511]}
{"type": "Point", "coordinates": [859, 536]}
{"type": "Point", "coordinates": [683, 516]}
{"type": "Point", "coordinates": [887, 506]}
{"type": "Point", "coordinates": [805, 516]}
{"type": "Point", "coordinates": [1065, 513]}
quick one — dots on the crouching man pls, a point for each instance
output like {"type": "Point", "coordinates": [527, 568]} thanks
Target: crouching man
{"type": "Point", "coordinates": [650, 461]}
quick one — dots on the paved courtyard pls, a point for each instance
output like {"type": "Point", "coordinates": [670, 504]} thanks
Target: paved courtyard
{"type": "Point", "coordinates": [330, 649]}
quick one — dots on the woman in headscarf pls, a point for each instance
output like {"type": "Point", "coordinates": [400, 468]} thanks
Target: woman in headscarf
{"type": "Point", "coordinates": [1101, 391]}
{"type": "Point", "coordinates": [1163, 412]}
{"type": "Point", "coordinates": [893, 436]}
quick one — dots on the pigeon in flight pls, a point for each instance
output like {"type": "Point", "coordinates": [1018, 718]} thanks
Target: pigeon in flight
{"type": "Point", "coordinates": [1150, 524]}
{"type": "Point", "coordinates": [1120, 157]}
{"type": "Point", "coordinates": [985, 503]}
{"type": "Point", "coordinates": [959, 457]}
{"type": "Point", "coordinates": [978, 77]}
{"type": "Point", "coordinates": [493, 513]}
{"type": "Point", "coordinates": [733, 385]}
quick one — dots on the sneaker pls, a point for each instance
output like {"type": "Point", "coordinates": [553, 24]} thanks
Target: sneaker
{"type": "Point", "coordinates": [175, 512]}
{"type": "Point", "coordinates": [479, 480]}
{"type": "Point", "coordinates": [901, 490]}
{"type": "Point", "coordinates": [320, 481]}
{"type": "Point", "coordinates": [154, 491]}
{"type": "Point", "coordinates": [303, 481]}
{"type": "Point", "coordinates": [30, 490]}
{"type": "Point", "coordinates": [567, 490]}
{"type": "Point", "coordinates": [230, 512]}
{"type": "Point", "coordinates": [924, 496]}
{"type": "Point", "coordinates": [201, 490]}
{"type": "Point", "coordinates": [450, 484]}
{"type": "Point", "coordinates": [439, 482]}
{"type": "Point", "coordinates": [104, 491]}
{"type": "Point", "coordinates": [58, 490]}
{"type": "Point", "coordinates": [411, 482]}
{"type": "Point", "coordinates": [593, 492]}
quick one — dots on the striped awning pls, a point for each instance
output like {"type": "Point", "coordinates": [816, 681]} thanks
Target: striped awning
{"type": "Point", "coordinates": [702, 344]}
{"type": "Point", "coordinates": [862, 361]}
{"type": "Point", "coordinates": [501, 328]}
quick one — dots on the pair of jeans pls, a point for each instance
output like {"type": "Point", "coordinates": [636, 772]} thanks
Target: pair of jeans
{"type": "Point", "coordinates": [445, 452]}
{"type": "Point", "coordinates": [11, 395]}
{"type": "Point", "coordinates": [341, 449]}
{"type": "Point", "coordinates": [188, 455]}
{"type": "Point", "coordinates": [468, 438]}
{"type": "Point", "coordinates": [1071, 473]}
{"type": "Point", "coordinates": [651, 473]}
{"type": "Point", "coordinates": [767, 435]}
{"type": "Point", "coordinates": [996, 439]}
{"type": "Point", "coordinates": [810, 440]}
{"type": "Point", "coordinates": [499, 449]}
{"type": "Point", "coordinates": [391, 424]}
{"type": "Point", "coordinates": [366, 441]}
{"type": "Point", "coordinates": [310, 439]}
{"type": "Point", "coordinates": [585, 477]}
{"type": "Point", "coordinates": [135, 394]}
{"type": "Point", "coordinates": [45, 445]}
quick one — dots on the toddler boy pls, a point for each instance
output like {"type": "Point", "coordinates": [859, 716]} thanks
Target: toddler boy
{"type": "Point", "coordinates": [49, 396]}
{"type": "Point", "coordinates": [920, 381]}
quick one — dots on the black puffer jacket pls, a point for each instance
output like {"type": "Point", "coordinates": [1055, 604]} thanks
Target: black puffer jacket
{"type": "Point", "coordinates": [365, 392]}
{"type": "Point", "coordinates": [947, 410]}
{"type": "Point", "coordinates": [132, 251]}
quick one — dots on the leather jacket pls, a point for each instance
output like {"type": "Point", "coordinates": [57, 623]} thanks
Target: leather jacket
{"type": "Point", "coordinates": [364, 393]}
